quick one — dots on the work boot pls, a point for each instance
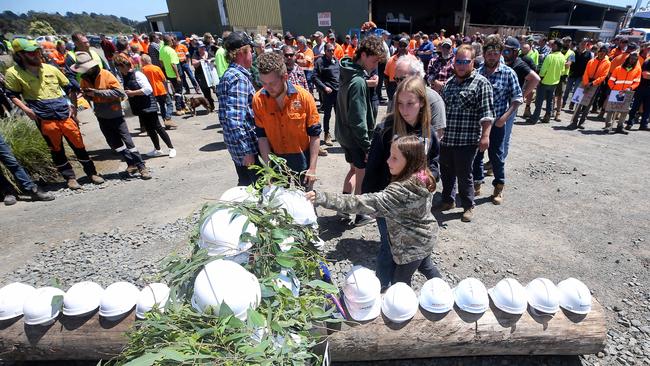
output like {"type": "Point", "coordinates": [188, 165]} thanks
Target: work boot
{"type": "Point", "coordinates": [546, 118]}
{"type": "Point", "coordinates": [73, 184]}
{"type": "Point", "coordinates": [619, 129]}
{"type": "Point", "coordinates": [468, 215]}
{"type": "Point", "coordinates": [628, 127]}
{"type": "Point", "coordinates": [10, 200]}
{"type": "Point", "coordinates": [572, 126]}
{"type": "Point", "coordinates": [446, 206]}
{"type": "Point", "coordinates": [37, 195]}
{"type": "Point", "coordinates": [497, 195]}
{"type": "Point", "coordinates": [601, 114]}
{"type": "Point", "coordinates": [571, 106]}
{"type": "Point", "coordinates": [144, 173]}
{"type": "Point", "coordinates": [131, 169]}
{"type": "Point", "coordinates": [477, 188]}
{"type": "Point", "coordinates": [322, 152]}
{"type": "Point", "coordinates": [557, 116]}
{"type": "Point", "coordinates": [96, 179]}
{"type": "Point", "coordinates": [328, 139]}
{"type": "Point", "coordinates": [170, 125]}
{"type": "Point", "coordinates": [179, 113]}
{"type": "Point", "coordinates": [527, 112]}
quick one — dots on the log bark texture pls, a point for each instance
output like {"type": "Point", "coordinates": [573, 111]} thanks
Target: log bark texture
{"type": "Point", "coordinates": [426, 335]}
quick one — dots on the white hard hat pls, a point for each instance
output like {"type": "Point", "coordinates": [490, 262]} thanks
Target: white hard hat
{"type": "Point", "coordinates": [436, 296]}
{"type": "Point", "coordinates": [226, 281]}
{"type": "Point", "coordinates": [12, 298]}
{"type": "Point", "coordinates": [287, 244]}
{"type": "Point", "coordinates": [574, 296]}
{"type": "Point", "coordinates": [471, 296]}
{"type": "Point", "coordinates": [220, 233]}
{"type": "Point", "coordinates": [40, 309]}
{"type": "Point", "coordinates": [118, 299]}
{"type": "Point", "coordinates": [362, 294]}
{"type": "Point", "coordinates": [543, 295]}
{"type": "Point", "coordinates": [288, 279]}
{"type": "Point", "coordinates": [237, 194]}
{"type": "Point", "coordinates": [509, 296]}
{"type": "Point", "coordinates": [82, 298]}
{"type": "Point", "coordinates": [400, 303]}
{"type": "Point", "coordinates": [154, 294]}
{"type": "Point", "coordinates": [295, 202]}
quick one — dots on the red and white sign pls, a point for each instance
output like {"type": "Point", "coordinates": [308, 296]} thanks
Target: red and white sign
{"type": "Point", "coordinates": [325, 19]}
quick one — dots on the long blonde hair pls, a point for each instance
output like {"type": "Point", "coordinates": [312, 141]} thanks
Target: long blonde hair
{"type": "Point", "coordinates": [415, 85]}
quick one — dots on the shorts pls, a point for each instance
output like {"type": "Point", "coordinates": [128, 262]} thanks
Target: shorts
{"type": "Point", "coordinates": [560, 86]}
{"type": "Point", "coordinates": [355, 156]}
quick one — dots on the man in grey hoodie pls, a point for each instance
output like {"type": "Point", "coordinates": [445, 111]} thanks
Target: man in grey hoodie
{"type": "Point", "coordinates": [355, 121]}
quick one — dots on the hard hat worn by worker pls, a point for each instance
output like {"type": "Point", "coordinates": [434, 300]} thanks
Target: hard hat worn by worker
{"type": "Point", "coordinates": [223, 281]}
{"type": "Point", "coordinates": [543, 296]}
{"type": "Point", "coordinates": [40, 309]}
{"type": "Point", "coordinates": [117, 300]}
{"type": "Point", "coordinates": [220, 234]}
{"type": "Point", "coordinates": [471, 296]}
{"type": "Point", "coordinates": [82, 298]}
{"type": "Point", "coordinates": [12, 299]}
{"type": "Point", "coordinates": [574, 296]}
{"type": "Point", "coordinates": [362, 294]}
{"type": "Point", "coordinates": [400, 303]}
{"type": "Point", "coordinates": [154, 294]}
{"type": "Point", "coordinates": [436, 296]}
{"type": "Point", "coordinates": [509, 296]}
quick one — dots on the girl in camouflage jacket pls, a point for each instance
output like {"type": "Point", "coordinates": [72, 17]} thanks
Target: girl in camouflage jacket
{"type": "Point", "coordinates": [406, 205]}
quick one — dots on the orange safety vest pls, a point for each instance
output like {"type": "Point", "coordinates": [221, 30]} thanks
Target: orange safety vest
{"type": "Point", "coordinates": [596, 71]}
{"type": "Point", "coordinates": [623, 78]}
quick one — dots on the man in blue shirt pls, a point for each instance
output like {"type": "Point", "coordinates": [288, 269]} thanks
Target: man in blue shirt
{"type": "Point", "coordinates": [425, 51]}
{"type": "Point", "coordinates": [235, 93]}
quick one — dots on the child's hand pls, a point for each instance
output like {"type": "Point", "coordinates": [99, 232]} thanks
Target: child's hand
{"type": "Point", "coordinates": [311, 196]}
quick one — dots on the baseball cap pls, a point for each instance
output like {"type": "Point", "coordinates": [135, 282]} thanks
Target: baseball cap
{"type": "Point", "coordinates": [403, 42]}
{"type": "Point", "coordinates": [512, 42]}
{"type": "Point", "coordinates": [236, 40]}
{"type": "Point", "coordinates": [385, 33]}
{"type": "Point", "coordinates": [22, 44]}
{"type": "Point", "coordinates": [288, 35]}
{"type": "Point", "coordinates": [331, 36]}
{"type": "Point", "coordinates": [632, 47]}
{"type": "Point", "coordinates": [318, 34]}
{"type": "Point", "coordinates": [447, 42]}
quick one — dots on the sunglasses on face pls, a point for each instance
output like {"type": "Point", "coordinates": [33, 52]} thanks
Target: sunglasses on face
{"type": "Point", "coordinates": [463, 62]}
{"type": "Point", "coordinates": [289, 54]}
{"type": "Point", "coordinates": [507, 52]}
{"type": "Point", "coordinates": [399, 79]}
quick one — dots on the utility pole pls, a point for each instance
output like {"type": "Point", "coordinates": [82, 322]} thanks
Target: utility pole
{"type": "Point", "coordinates": [526, 17]}
{"type": "Point", "coordinates": [463, 24]}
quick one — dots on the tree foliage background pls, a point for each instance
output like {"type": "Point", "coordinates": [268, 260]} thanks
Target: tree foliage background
{"type": "Point", "coordinates": [12, 23]}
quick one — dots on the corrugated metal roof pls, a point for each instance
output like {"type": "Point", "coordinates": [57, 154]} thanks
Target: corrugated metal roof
{"type": "Point", "coordinates": [253, 13]}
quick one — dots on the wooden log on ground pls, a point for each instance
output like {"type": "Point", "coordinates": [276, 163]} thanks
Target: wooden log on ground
{"type": "Point", "coordinates": [426, 335]}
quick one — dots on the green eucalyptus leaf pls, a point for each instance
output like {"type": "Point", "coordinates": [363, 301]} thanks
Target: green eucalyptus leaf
{"type": "Point", "coordinates": [327, 287]}
{"type": "Point", "coordinates": [285, 261]}
{"type": "Point", "coordinates": [147, 359]}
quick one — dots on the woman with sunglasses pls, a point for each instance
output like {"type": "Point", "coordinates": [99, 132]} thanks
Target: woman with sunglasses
{"type": "Point", "coordinates": [411, 116]}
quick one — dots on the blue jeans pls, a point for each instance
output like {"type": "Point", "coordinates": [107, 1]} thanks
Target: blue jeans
{"type": "Point", "coordinates": [495, 153]}
{"type": "Point", "coordinates": [166, 106]}
{"type": "Point", "coordinates": [385, 264]}
{"type": "Point", "coordinates": [9, 161]}
{"type": "Point", "coordinates": [641, 97]}
{"type": "Point", "coordinates": [572, 84]}
{"type": "Point", "coordinates": [186, 72]}
{"type": "Point", "coordinates": [544, 92]}
{"type": "Point", "coordinates": [308, 75]}
{"type": "Point", "coordinates": [506, 140]}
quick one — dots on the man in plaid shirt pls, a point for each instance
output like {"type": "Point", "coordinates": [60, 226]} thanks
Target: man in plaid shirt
{"type": "Point", "coordinates": [235, 92]}
{"type": "Point", "coordinates": [441, 68]}
{"type": "Point", "coordinates": [470, 112]}
{"type": "Point", "coordinates": [507, 97]}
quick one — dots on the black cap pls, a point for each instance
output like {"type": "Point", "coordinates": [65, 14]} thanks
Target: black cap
{"type": "Point", "coordinates": [512, 42]}
{"type": "Point", "coordinates": [237, 40]}
{"type": "Point", "coordinates": [288, 35]}
{"type": "Point", "coordinates": [632, 47]}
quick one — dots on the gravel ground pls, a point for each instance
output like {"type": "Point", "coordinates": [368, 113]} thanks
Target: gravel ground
{"type": "Point", "coordinates": [573, 207]}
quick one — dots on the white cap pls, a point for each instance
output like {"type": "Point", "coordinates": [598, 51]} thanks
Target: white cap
{"type": "Point", "coordinates": [40, 309]}
{"type": "Point", "coordinates": [82, 298]}
{"type": "Point", "coordinates": [400, 303]}
{"type": "Point", "coordinates": [220, 233]}
{"type": "Point", "coordinates": [118, 299]}
{"type": "Point", "coordinates": [295, 202]}
{"type": "Point", "coordinates": [436, 296]}
{"type": "Point", "coordinates": [471, 296]}
{"type": "Point", "coordinates": [509, 296]}
{"type": "Point", "coordinates": [226, 281]}
{"type": "Point", "coordinates": [12, 298]}
{"type": "Point", "coordinates": [574, 296]}
{"type": "Point", "coordinates": [154, 294]}
{"type": "Point", "coordinates": [543, 296]}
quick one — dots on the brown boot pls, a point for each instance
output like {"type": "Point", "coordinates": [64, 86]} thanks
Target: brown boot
{"type": "Point", "coordinates": [527, 112]}
{"type": "Point", "coordinates": [170, 125]}
{"type": "Point", "coordinates": [468, 215]}
{"type": "Point", "coordinates": [73, 184]}
{"type": "Point", "coordinates": [328, 139]}
{"type": "Point", "coordinates": [497, 196]}
{"type": "Point", "coordinates": [446, 206]}
{"type": "Point", "coordinates": [96, 179]}
{"type": "Point", "coordinates": [557, 116]}
{"type": "Point", "coordinates": [322, 152]}
{"type": "Point", "coordinates": [546, 119]}
{"type": "Point", "coordinates": [477, 189]}
{"type": "Point", "coordinates": [144, 173]}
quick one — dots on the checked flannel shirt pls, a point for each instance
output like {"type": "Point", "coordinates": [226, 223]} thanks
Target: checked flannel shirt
{"type": "Point", "coordinates": [440, 69]}
{"type": "Point", "coordinates": [297, 77]}
{"type": "Point", "coordinates": [235, 93]}
{"type": "Point", "coordinates": [467, 103]}
{"type": "Point", "coordinates": [505, 88]}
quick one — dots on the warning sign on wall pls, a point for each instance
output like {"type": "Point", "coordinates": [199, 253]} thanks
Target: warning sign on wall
{"type": "Point", "coordinates": [325, 19]}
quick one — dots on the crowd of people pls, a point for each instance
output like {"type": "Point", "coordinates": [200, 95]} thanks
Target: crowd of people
{"type": "Point", "coordinates": [449, 100]}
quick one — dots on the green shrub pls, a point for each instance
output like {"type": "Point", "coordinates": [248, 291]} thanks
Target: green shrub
{"type": "Point", "coordinates": [29, 147]}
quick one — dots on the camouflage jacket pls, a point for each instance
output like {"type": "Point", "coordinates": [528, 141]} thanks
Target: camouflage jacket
{"type": "Point", "coordinates": [406, 205]}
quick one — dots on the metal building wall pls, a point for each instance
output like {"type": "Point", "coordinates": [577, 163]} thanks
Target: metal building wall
{"type": "Point", "coordinates": [301, 16]}
{"type": "Point", "coordinates": [197, 16]}
{"type": "Point", "coordinates": [253, 15]}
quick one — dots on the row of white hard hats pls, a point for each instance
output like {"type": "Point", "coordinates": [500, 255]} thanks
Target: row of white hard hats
{"type": "Point", "coordinates": [39, 306]}
{"type": "Point", "coordinates": [363, 300]}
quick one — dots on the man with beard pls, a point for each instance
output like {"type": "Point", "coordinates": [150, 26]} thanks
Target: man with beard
{"type": "Point", "coordinates": [45, 104]}
{"type": "Point", "coordinates": [440, 68]}
{"type": "Point", "coordinates": [286, 119]}
{"type": "Point", "coordinates": [470, 112]}
{"type": "Point", "coordinates": [507, 98]}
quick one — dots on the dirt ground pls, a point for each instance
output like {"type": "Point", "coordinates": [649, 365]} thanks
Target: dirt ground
{"type": "Point", "coordinates": [574, 207]}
